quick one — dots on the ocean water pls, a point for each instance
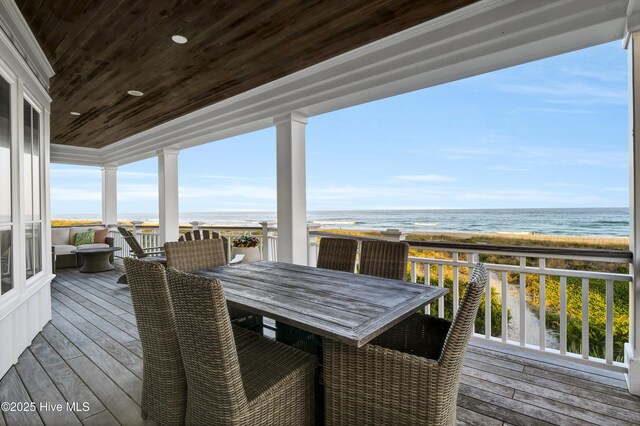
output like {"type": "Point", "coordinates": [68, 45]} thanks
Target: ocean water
{"type": "Point", "coordinates": [574, 221]}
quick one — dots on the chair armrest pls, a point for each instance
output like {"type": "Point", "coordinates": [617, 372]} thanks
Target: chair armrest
{"type": "Point", "coordinates": [420, 335]}
{"type": "Point", "coordinates": [109, 241]}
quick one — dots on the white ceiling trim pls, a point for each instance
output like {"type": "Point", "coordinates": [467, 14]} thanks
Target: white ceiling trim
{"type": "Point", "coordinates": [17, 29]}
{"type": "Point", "coordinates": [486, 36]}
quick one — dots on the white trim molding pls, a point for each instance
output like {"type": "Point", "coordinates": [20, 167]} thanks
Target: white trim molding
{"type": "Point", "coordinates": [17, 29]}
{"type": "Point", "coordinates": [26, 308]}
{"type": "Point", "coordinates": [483, 37]}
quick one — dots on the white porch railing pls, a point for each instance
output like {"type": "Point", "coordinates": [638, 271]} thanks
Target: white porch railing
{"type": "Point", "coordinates": [523, 282]}
{"type": "Point", "coordinates": [148, 237]}
{"type": "Point", "coordinates": [521, 286]}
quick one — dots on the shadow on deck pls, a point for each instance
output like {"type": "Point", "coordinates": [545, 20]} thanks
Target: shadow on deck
{"type": "Point", "coordinates": [90, 355]}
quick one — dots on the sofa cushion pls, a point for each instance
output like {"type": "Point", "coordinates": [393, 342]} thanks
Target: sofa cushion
{"type": "Point", "coordinates": [60, 236]}
{"type": "Point", "coordinates": [74, 230]}
{"type": "Point", "coordinates": [94, 245]}
{"type": "Point", "coordinates": [101, 235]}
{"type": "Point", "coordinates": [83, 238]}
{"type": "Point", "coordinates": [62, 249]}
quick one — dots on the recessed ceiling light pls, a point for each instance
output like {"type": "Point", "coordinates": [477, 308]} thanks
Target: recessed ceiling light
{"type": "Point", "coordinates": [179, 39]}
{"type": "Point", "coordinates": [74, 113]}
{"type": "Point", "coordinates": [135, 93]}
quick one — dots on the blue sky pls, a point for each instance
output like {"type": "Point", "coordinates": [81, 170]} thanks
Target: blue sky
{"type": "Point", "coordinates": [552, 133]}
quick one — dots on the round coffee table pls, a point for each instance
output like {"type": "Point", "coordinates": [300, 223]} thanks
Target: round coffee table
{"type": "Point", "coordinates": [96, 259]}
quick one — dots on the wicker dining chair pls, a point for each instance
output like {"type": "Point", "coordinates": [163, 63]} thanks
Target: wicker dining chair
{"type": "Point", "coordinates": [205, 234]}
{"type": "Point", "coordinates": [409, 375]}
{"type": "Point", "coordinates": [164, 383]}
{"type": "Point", "coordinates": [264, 383]}
{"type": "Point", "coordinates": [338, 254]}
{"type": "Point", "coordinates": [384, 259]}
{"type": "Point", "coordinates": [189, 256]}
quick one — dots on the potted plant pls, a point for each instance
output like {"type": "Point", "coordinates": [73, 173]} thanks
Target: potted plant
{"type": "Point", "coordinates": [248, 246]}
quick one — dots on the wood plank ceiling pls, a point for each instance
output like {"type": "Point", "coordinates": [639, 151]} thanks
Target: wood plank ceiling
{"type": "Point", "coordinates": [101, 49]}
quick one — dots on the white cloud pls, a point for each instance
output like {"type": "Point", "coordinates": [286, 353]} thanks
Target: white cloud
{"type": "Point", "coordinates": [79, 172]}
{"type": "Point", "coordinates": [528, 155]}
{"type": "Point", "coordinates": [71, 194]}
{"type": "Point", "coordinates": [137, 174]}
{"type": "Point", "coordinates": [425, 178]}
{"type": "Point", "coordinates": [252, 192]}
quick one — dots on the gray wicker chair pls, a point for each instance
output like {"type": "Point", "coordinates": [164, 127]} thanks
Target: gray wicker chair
{"type": "Point", "coordinates": [384, 259]}
{"type": "Point", "coordinates": [409, 375]}
{"type": "Point", "coordinates": [338, 254]}
{"type": "Point", "coordinates": [264, 383]}
{"type": "Point", "coordinates": [189, 256]}
{"type": "Point", "coordinates": [206, 235]}
{"type": "Point", "coordinates": [164, 383]}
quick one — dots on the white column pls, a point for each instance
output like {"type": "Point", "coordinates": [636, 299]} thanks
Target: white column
{"type": "Point", "coordinates": [632, 349]}
{"type": "Point", "coordinates": [168, 195]}
{"type": "Point", "coordinates": [292, 188]}
{"type": "Point", "coordinates": [110, 195]}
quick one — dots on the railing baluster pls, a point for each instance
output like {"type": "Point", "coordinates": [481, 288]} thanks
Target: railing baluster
{"type": "Point", "coordinates": [543, 305]}
{"type": "Point", "coordinates": [414, 277]}
{"type": "Point", "coordinates": [427, 281]}
{"type": "Point", "coordinates": [440, 284]}
{"type": "Point", "coordinates": [523, 303]}
{"type": "Point", "coordinates": [487, 306]}
{"type": "Point", "coordinates": [456, 290]}
{"type": "Point", "coordinates": [563, 315]}
{"type": "Point", "coordinates": [585, 318]}
{"type": "Point", "coordinates": [505, 308]}
{"type": "Point", "coordinates": [609, 332]}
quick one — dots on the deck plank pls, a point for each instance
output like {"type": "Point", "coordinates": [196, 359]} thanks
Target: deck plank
{"type": "Point", "coordinates": [43, 392]}
{"type": "Point", "coordinates": [88, 353]}
{"type": "Point", "coordinates": [72, 388]}
{"type": "Point", "coordinates": [12, 390]}
{"type": "Point", "coordinates": [120, 374]}
{"type": "Point", "coordinates": [61, 344]}
{"type": "Point", "coordinates": [119, 404]}
{"type": "Point", "coordinates": [104, 418]}
{"type": "Point", "coordinates": [64, 304]}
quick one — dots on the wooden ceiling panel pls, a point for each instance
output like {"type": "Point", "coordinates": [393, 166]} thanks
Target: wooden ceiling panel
{"type": "Point", "coordinates": [101, 49]}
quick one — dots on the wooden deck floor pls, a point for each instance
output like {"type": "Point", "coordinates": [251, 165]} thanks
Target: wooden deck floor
{"type": "Point", "coordinates": [90, 353]}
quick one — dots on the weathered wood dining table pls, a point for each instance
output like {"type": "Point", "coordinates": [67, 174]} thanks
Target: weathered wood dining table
{"type": "Point", "coordinates": [346, 307]}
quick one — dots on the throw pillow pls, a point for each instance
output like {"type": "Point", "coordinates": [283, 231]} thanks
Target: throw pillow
{"type": "Point", "coordinates": [100, 236]}
{"type": "Point", "coordinates": [86, 237]}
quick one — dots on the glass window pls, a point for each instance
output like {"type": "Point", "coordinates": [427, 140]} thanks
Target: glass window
{"type": "Point", "coordinates": [6, 268]}
{"type": "Point", "coordinates": [32, 165]}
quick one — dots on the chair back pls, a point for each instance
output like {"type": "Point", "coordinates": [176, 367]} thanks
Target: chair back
{"type": "Point", "coordinates": [207, 345]}
{"type": "Point", "coordinates": [193, 255]}
{"type": "Point", "coordinates": [132, 242]}
{"type": "Point", "coordinates": [384, 259]}
{"type": "Point", "coordinates": [338, 254]}
{"type": "Point", "coordinates": [164, 384]}
{"type": "Point", "coordinates": [205, 234]}
{"type": "Point", "coordinates": [460, 331]}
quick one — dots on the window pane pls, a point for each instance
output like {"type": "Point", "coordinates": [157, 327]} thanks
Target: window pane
{"type": "Point", "coordinates": [29, 249]}
{"type": "Point", "coordinates": [28, 171]}
{"type": "Point", "coordinates": [5, 151]}
{"type": "Point", "coordinates": [6, 269]}
{"type": "Point", "coordinates": [37, 247]}
{"type": "Point", "coordinates": [36, 164]}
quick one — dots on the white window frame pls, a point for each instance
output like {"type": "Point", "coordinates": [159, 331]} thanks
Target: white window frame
{"type": "Point", "coordinates": [26, 96]}
{"type": "Point", "coordinates": [12, 79]}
